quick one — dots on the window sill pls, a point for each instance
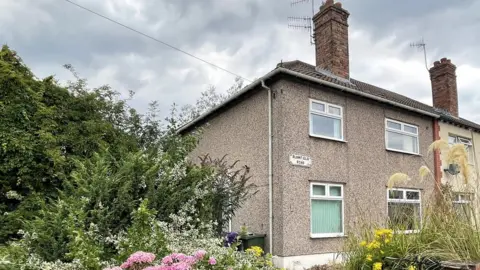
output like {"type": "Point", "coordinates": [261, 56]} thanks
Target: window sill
{"type": "Point", "coordinates": [327, 138]}
{"type": "Point", "coordinates": [403, 152]}
{"type": "Point", "coordinates": [327, 235]}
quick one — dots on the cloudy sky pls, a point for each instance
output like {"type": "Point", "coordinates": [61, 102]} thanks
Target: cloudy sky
{"type": "Point", "coordinates": [248, 37]}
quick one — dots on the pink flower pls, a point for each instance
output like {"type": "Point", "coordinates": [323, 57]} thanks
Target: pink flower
{"type": "Point", "coordinates": [190, 260]}
{"type": "Point", "coordinates": [200, 254]}
{"type": "Point", "coordinates": [159, 267]}
{"type": "Point", "coordinates": [212, 261]}
{"type": "Point", "coordinates": [167, 260]}
{"type": "Point", "coordinates": [181, 266]}
{"type": "Point", "coordinates": [113, 268]}
{"type": "Point", "coordinates": [138, 257]}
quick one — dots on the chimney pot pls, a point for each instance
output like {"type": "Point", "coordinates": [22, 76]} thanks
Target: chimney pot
{"type": "Point", "coordinates": [444, 86]}
{"type": "Point", "coordinates": [331, 39]}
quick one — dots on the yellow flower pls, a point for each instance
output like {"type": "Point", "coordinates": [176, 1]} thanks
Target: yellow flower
{"type": "Point", "coordinates": [411, 267]}
{"type": "Point", "coordinates": [363, 243]}
{"type": "Point", "coordinates": [373, 245]}
{"type": "Point", "coordinates": [369, 258]}
{"type": "Point", "coordinates": [255, 250]}
{"type": "Point", "coordinates": [377, 266]}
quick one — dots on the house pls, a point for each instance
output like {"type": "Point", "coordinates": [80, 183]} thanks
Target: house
{"type": "Point", "coordinates": [454, 130]}
{"type": "Point", "coordinates": [321, 147]}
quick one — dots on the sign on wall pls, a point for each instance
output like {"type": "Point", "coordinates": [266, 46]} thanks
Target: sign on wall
{"type": "Point", "coordinates": [299, 160]}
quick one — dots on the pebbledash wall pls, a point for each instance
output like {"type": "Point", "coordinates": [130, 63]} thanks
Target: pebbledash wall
{"type": "Point", "coordinates": [240, 131]}
{"type": "Point", "coordinates": [361, 163]}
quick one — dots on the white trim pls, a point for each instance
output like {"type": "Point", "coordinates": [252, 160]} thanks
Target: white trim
{"type": "Point", "coordinates": [457, 195]}
{"type": "Point", "coordinates": [406, 201]}
{"type": "Point", "coordinates": [308, 78]}
{"type": "Point", "coordinates": [401, 132]}
{"type": "Point", "coordinates": [403, 152]}
{"type": "Point", "coordinates": [327, 197]}
{"type": "Point", "coordinates": [327, 138]}
{"type": "Point", "coordinates": [325, 113]}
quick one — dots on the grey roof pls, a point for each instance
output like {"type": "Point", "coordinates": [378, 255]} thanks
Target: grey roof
{"type": "Point", "coordinates": [310, 70]}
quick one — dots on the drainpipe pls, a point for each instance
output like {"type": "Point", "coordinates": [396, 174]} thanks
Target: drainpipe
{"type": "Point", "coordinates": [437, 162]}
{"type": "Point", "coordinates": [270, 171]}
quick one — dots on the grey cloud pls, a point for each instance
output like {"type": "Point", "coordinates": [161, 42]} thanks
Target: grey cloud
{"type": "Point", "coordinates": [248, 37]}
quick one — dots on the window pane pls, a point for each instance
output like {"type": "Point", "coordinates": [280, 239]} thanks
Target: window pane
{"type": "Point", "coordinates": [335, 191]}
{"type": "Point", "coordinates": [410, 129]}
{"type": "Point", "coordinates": [326, 126]}
{"type": "Point", "coordinates": [413, 195]}
{"type": "Point", "coordinates": [394, 125]}
{"type": "Point", "coordinates": [451, 140]}
{"type": "Point", "coordinates": [404, 216]}
{"type": "Point", "coordinates": [334, 110]}
{"type": "Point", "coordinates": [326, 216]}
{"type": "Point", "coordinates": [318, 107]}
{"type": "Point", "coordinates": [395, 194]}
{"type": "Point", "coordinates": [318, 190]}
{"type": "Point", "coordinates": [402, 142]}
{"type": "Point", "coordinates": [463, 211]}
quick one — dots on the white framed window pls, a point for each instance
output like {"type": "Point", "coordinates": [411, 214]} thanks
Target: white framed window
{"type": "Point", "coordinates": [401, 137]}
{"type": "Point", "coordinates": [404, 209]}
{"type": "Point", "coordinates": [462, 204]}
{"type": "Point", "coordinates": [326, 210]}
{"type": "Point", "coordinates": [326, 120]}
{"type": "Point", "coordinates": [453, 139]}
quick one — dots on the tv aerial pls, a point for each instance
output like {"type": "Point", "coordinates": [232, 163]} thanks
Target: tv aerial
{"type": "Point", "coordinates": [303, 23]}
{"type": "Point", "coordinates": [421, 45]}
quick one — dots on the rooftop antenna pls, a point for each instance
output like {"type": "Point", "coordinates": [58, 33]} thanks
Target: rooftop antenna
{"type": "Point", "coordinates": [421, 46]}
{"type": "Point", "coordinates": [302, 23]}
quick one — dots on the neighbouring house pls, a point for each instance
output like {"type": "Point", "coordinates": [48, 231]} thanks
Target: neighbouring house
{"type": "Point", "coordinates": [321, 147]}
{"type": "Point", "coordinates": [454, 130]}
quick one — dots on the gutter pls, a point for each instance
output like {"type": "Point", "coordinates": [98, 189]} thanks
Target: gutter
{"type": "Point", "coordinates": [270, 170]}
{"type": "Point", "coordinates": [356, 92]}
{"type": "Point", "coordinates": [305, 77]}
{"type": "Point", "coordinates": [247, 88]}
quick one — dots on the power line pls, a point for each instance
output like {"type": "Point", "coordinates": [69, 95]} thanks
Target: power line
{"type": "Point", "coordinates": [157, 40]}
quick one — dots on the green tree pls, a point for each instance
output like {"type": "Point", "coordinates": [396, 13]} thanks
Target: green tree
{"type": "Point", "coordinates": [45, 128]}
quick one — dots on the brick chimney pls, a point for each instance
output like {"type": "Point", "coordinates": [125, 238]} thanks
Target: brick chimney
{"type": "Point", "coordinates": [444, 86]}
{"type": "Point", "coordinates": [331, 39]}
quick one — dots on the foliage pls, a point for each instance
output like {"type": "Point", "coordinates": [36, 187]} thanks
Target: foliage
{"type": "Point", "coordinates": [449, 231]}
{"type": "Point", "coordinates": [208, 100]}
{"type": "Point", "coordinates": [228, 258]}
{"type": "Point", "coordinates": [89, 180]}
{"type": "Point", "coordinates": [47, 128]}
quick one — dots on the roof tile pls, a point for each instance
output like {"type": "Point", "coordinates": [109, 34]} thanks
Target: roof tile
{"type": "Point", "coordinates": [310, 70]}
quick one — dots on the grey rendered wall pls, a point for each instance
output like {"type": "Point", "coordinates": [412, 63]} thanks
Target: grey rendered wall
{"type": "Point", "coordinates": [241, 132]}
{"type": "Point", "coordinates": [362, 163]}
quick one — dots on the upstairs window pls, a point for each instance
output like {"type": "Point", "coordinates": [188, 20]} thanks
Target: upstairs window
{"type": "Point", "coordinates": [452, 139]}
{"type": "Point", "coordinates": [404, 209]}
{"type": "Point", "coordinates": [326, 120]}
{"type": "Point", "coordinates": [401, 137]}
